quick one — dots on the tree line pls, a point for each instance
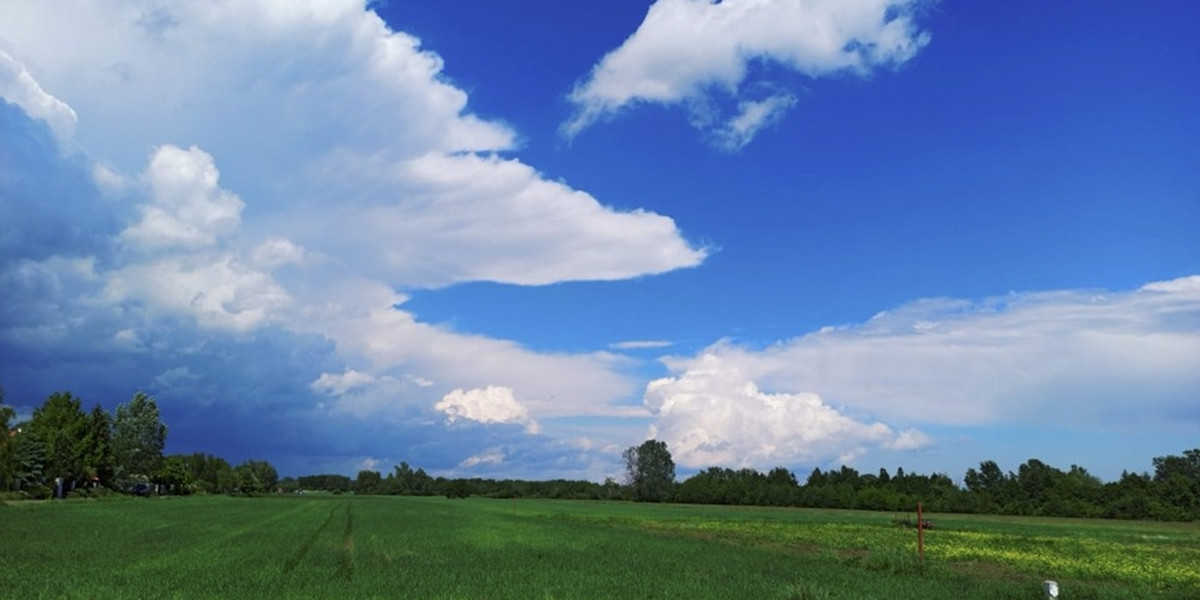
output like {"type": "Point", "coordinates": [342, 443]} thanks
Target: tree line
{"type": "Point", "coordinates": [63, 450]}
{"type": "Point", "coordinates": [1171, 493]}
{"type": "Point", "coordinates": [1035, 489]}
{"type": "Point", "coordinates": [403, 480]}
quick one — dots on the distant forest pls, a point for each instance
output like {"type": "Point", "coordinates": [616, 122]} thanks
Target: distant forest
{"type": "Point", "coordinates": [1171, 493]}
{"type": "Point", "coordinates": [64, 451]}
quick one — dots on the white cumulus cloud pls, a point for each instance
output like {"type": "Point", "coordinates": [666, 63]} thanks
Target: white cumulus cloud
{"type": "Point", "coordinates": [182, 262]}
{"type": "Point", "coordinates": [222, 293]}
{"type": "Point", "coordinates": [188, 208]}
{"type": "Point", "coordinates": [712, 414]}
{"type": "Point", "coordinates": [493, 404]}
{"type": "Point", "coordinates": [685, 50]}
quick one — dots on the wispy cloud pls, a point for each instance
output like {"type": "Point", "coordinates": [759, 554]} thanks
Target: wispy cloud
{"type": "Point", "coordinates": [18, 87]}
{"type": "Point", "coordinates": [693, 51]}
{"type": "Point", "coordinates": [492, 457]}
{"type": "Point", "coordinates": [752, 117]}
{"type": "Point", "coordinates": [1117, 359]}
{"type": "Point", "coordinates": [640, 344]}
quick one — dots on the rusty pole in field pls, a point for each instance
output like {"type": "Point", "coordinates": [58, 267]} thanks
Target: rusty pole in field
{"type": "Point", "coordinates": [920, 533]}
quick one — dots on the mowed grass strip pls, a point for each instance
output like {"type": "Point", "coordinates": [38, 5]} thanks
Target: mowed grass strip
{"type": "Point", "coordinates": [387, 547]}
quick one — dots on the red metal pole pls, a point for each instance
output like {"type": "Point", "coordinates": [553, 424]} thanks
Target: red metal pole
{"type": "Point", "coordinates": [920, 533]}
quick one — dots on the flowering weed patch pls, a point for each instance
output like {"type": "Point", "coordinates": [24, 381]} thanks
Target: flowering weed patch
{"type": "Point", "coordinates": [1165, 563]}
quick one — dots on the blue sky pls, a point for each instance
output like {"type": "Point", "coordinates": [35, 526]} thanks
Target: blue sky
{"type": "Point", "coordinates": [512, 239]}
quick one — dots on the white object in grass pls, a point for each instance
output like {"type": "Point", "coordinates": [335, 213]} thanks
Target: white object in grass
{"type": "Point", "coordinates": [1051, 589]}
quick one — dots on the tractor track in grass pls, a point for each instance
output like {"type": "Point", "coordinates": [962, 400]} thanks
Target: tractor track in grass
{"type": "Point", "coordinates": [347, 566]}
{"type": "Point", "coordinates": [308, 544]}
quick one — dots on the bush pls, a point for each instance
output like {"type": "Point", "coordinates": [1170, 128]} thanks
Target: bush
{"type": "Point", "coordinates": [37, 492]}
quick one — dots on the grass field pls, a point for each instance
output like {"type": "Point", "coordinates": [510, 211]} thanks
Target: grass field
{"type": "Point", "coordinates": [392, 547]}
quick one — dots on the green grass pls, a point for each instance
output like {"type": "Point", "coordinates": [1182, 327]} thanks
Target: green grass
{"type": "Point", "coordinates": [389, 547]}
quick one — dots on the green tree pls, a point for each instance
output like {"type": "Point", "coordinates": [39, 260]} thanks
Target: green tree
{"type": "Point", "coordinates": [612, 489]}
{"type": "Point", "coordinates": [246, 481]}
{"type": "Point", "coordinates": [1131, 498]}
{"type": "Point", "coordinates": [368, 482]}
{"type": "Point", "coordinates": [289, 485]}
{"type": "Point", "coordinates": [884, 477]}
{"type": "Point", "coordinates": [988, 487]}
{"type": "Point", "coordinates": [255, 477]}
{"type": "Point", "coordinates": [29, 459]}
{"type": "Point", "coordinates": [1177, 481]}
{"type": "Point", "coordinates": [1186, 466]}
{"type": "Point", "coordinates": [8, 467]}
{"type": "Point", "coordinates": [1081, 494]}
{"type": "Point", "coordinates": [210, 474]}
{"type": "Point", "coordinates": [61, 425]}
{"type": "Point", "coordinates": [650, 471]}
{"type": "Point", "coordinates": [138, 439]}
{"type": "Point", "coordinates": [174, 475]}
{"type": "Point", "coordinates": [1039, 485]}
{"type": "Point", "coordinates": [331, 482]}
{"type": "Point", "coordinates": [97, 450]}
{"type": "Point", "coordinates": [402, 479]}
{"type": "Point", "coordinates": [266, 474]}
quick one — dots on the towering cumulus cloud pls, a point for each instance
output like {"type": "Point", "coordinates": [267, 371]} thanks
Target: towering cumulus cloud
{"type": "Point", "coordinates": [320, 105]}
{"type": "Point", "coordinates": [691, 51]}
{"type": "Point", "coordinates": [252, 171]}
{"type": "Point", "coordinates": [712, 414]}
{"type": "Point", "coordinates": [180, 261]}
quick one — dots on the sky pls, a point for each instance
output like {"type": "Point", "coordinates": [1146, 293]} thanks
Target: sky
{"type": "Point", "coordinates": [511, 239]}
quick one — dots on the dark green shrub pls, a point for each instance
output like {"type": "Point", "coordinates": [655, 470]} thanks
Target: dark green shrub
{"type": "Point", "coordinates": [37, 492]}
